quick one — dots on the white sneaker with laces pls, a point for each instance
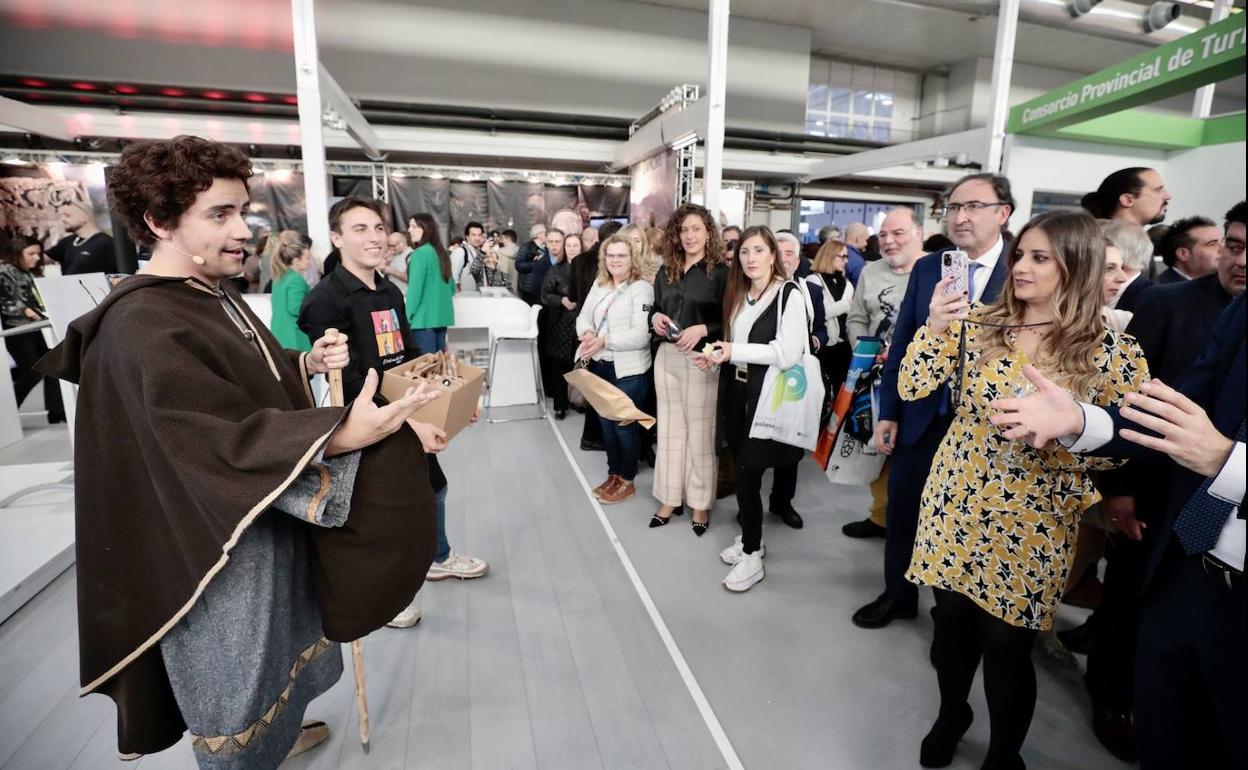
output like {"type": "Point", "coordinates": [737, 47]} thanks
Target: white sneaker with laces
{"type": "Point", "coordinates": [458, 566]}
{"type": "Point", "coordinates": [745, 573]}
{"type": "Point", "coordinates": [409, 617]}
{"type": "Point", "coordinates": [733, 553]}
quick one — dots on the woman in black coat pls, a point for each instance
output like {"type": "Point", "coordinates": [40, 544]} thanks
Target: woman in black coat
{"type": "Point", "coordinates": [558, 297]}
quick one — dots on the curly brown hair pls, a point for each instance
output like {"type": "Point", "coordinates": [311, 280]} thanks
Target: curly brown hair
{"type": "Point", "coordinates": [674, 253]}
{"type": "Point", "coordinates": [162, 179]}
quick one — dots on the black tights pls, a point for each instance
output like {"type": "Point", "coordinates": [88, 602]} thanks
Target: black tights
{"type": "Point", "coordinates": [964, 634]}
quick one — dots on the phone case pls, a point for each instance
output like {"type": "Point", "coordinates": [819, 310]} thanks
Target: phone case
{"type": "Point", "coordinates": [953, 265]}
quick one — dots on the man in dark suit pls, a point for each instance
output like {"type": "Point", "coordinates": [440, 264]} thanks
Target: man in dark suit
{"type": "Point", "coordinates": [978, 208]}
{"type": "Point", "coordinates": [1190, 667]}
{"type": "Point", "coordinates": [1190, 249]}
{"type": "Point", "coordinates": [1173, 324]}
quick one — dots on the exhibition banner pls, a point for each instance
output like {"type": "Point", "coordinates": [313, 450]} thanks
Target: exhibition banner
{"type": "Point", "coordinates": [1207, 56]}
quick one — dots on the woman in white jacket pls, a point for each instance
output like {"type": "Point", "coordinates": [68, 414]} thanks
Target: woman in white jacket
{"type": "Point", "coordinates": [766, 325]}
{"type": "Point", "coordinates": [614, 330]}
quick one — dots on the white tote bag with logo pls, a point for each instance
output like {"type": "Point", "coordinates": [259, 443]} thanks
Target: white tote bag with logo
{"type": "Point", "coordinates": [791, 399]}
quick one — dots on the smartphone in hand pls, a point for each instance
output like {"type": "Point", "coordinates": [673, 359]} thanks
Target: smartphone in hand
{"type": "Point", "coordinates": [953, 264]}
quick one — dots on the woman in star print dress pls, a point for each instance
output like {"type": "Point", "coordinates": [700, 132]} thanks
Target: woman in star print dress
{"type": "Point", "coordinates": [998, 519]}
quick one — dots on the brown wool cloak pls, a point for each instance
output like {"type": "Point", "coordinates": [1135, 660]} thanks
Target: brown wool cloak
{"type": "Point", "coordinates": [184, 435]}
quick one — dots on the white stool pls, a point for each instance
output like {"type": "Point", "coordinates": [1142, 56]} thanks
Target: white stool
{"type": "Point", "coordinates": [530, 336]}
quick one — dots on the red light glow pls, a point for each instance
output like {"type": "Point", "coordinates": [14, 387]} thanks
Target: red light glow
{"type": "Point", "coordinates": [126, 89]}
{"type": "Point", "coordinates": [291, 99]}
{"type": "Point", "coordinates": [256, 98]}
{"type": "Point", "coordinates": [84, 86]}
{"type": "Point", "coordinates": [34, 83]}
{"type": "Point", "coordinates": [173, 92]}
{"type": "Point", "coordinates": [216, 95]}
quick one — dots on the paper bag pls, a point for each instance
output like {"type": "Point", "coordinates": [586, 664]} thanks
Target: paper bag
{"type": "Point", "coordinates": [606, 399]}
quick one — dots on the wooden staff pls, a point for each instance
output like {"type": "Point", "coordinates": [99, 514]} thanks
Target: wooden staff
{"type": "Point", "coordinates": [357, 647]}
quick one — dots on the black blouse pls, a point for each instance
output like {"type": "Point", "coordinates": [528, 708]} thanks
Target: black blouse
{"type": "Point", "coordinates": [696, 298]}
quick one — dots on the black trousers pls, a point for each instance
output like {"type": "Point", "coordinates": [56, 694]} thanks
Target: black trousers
{"type": "Point", "coordinates": [1111, 658]}
{"type": "Point", "coordinates": [908, 469]}
{"type": "Point", "coordinates": [783, 486]}
{"type": "Point", "coordinates": [748, 483]}
{"type": "Point", "coordinates": [1190, 678]}
{"type": "Point", "coordinates": [26, 350]}
{"type": "Point", "coordinates": [556, 386]}
{"type": "Point", "coordinates": [965, 635]}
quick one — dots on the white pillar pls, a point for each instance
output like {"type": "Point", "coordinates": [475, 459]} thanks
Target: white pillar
{"type": "Point", "coordinates": [1002, 70]}
{"type": "Point", "coordinates": [1203, 104]}
{"type": "Point", "coordinates": [717, 86]}
{"type": "Point", "coordinates": [308, 89]}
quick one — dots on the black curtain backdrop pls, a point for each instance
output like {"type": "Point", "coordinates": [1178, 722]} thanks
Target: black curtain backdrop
{"type": "Point", "coordinates": [469, 203]}
{"type": "Point", "coordinates": [602, 201]}
{"type": "Point", "coordinates": [516, 206]}
{"type": "Point", "coordinates": [278, 202]}
{"type": "Point", "coordinates": [414, 195]}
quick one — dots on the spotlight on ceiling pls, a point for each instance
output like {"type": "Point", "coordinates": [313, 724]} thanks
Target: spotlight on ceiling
{"type": "Point", "coordinates": [1161, 14]}
{"type": "Point", "coordinates": [1079, 8]}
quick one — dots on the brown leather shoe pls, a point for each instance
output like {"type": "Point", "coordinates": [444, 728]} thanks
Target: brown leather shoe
{"type": "Point", "coordinates": [621, 491]}
{"type": "Point", "coordinates": [604, 486]}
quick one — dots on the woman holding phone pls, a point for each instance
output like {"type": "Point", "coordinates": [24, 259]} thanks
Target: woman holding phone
{"type": "Point", "coordinates": [999, 518]}
{"type": "Point", "coordinates": [765, 325]}
{"type": "Point", "coordinates": [688, 312]}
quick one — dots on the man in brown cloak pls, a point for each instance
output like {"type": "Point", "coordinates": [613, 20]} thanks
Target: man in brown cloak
{"type": "Point", "coordinates": [206, 479]}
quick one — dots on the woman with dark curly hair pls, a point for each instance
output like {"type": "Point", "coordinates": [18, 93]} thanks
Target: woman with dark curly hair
{"type": "Point", "coordinates": [687, 314]}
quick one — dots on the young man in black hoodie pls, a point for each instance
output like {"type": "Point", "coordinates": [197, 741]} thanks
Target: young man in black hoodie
{"type": "Point", "coordinates": [357, 300]}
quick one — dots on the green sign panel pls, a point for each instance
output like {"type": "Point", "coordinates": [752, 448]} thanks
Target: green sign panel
{"type": "Point", "coordinates": [1207, 56]}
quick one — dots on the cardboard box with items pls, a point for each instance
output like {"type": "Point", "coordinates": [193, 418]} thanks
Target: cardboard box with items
{"type": "Point", "coordinates": [459, 383]}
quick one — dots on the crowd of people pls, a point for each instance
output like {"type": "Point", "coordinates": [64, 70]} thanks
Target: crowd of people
{"type": "Point", "coordinates": [1003, 389]}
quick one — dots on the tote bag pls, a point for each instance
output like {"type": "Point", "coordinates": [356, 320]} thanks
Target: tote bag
{"type": "Point", "coordinates": [791, 399]}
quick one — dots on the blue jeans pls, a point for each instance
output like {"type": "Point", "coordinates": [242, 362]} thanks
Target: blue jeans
{"type": "Point", "coordinates": [430, 340]}
{"type": "Point", "coordinates": [444, 547]}
{"type": "Point", "coordinates": [623, 443]}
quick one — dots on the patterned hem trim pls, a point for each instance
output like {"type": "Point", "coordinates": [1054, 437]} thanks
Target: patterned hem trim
{"type": "Point", "coordinates": [228, 745]}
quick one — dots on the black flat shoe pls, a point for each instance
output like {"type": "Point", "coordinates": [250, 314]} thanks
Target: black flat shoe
{"type": "Point", "coordinates": [861, 530]}
{"type": "Point", "coordinates": [1079, 638]}
{"type": "Point", "coordinates": [1113, 729]}
{"type": "Point", "coordinates": [941, 741]}
{"type": "Point", "coordinates": [561, 414]}
{"type": "Point", "coordinates": [882, 611]}
{"type": "Point", "coordinates": [789, 517]}
{"type": "Point", "coordinates": [592, 446]}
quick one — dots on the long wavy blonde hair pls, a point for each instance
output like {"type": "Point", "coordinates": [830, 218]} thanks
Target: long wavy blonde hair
{"type": "Point", "coordinates": [1078, 329]}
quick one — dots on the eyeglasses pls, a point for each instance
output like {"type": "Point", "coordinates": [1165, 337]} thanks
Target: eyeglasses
{"type": "Point", "coordinates": [971, 207]}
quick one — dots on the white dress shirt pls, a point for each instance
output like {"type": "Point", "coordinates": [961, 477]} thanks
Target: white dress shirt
{"type": "Point", "coordinates": [1227, 486]}
{"type": "Point", "coordinates": [987, 263]}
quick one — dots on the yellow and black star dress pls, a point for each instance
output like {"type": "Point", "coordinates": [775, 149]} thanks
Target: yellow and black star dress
{"type": "Point", "coordinates": [998, 518]}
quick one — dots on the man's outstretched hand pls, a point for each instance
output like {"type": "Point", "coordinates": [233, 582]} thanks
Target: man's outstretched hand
{"type": "Point", "coordinates": [367, 423]}
{"type": "Point", "coordinates": [1041, 417]}
{"type": "Point", "coordinates": [1187, 434]}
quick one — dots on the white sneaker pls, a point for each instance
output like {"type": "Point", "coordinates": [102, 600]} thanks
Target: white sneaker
{"type": "Point", "coordinates": [458, 566]}
{"type": "Point", "coordinates": [745, 573]}
{"type": "Point", "coordinates": [733, 553]}
{"type": "Point", "coordinates": [407, 618]}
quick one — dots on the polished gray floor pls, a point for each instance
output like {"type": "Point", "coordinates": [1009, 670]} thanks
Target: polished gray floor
{"type": "Point", "coordinates": [552, 661]}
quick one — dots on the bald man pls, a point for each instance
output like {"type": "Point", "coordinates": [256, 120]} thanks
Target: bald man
{"type": "Point", "coordinates": [856, 235]}
{"type": "Point", "coordinates": [877, 297]}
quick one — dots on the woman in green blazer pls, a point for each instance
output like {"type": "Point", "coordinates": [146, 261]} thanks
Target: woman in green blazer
{"type": "Point", "coordinates": [430, 287]}
{"type": "Point", "coordinates": [290, 259]}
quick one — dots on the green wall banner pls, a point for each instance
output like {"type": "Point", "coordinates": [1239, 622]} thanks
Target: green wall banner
{"type": "Point", "coordinates": [1206, 56]}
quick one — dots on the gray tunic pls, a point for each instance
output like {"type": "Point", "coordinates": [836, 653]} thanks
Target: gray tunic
{"type": "Point", "coordinates": [250, 654]}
